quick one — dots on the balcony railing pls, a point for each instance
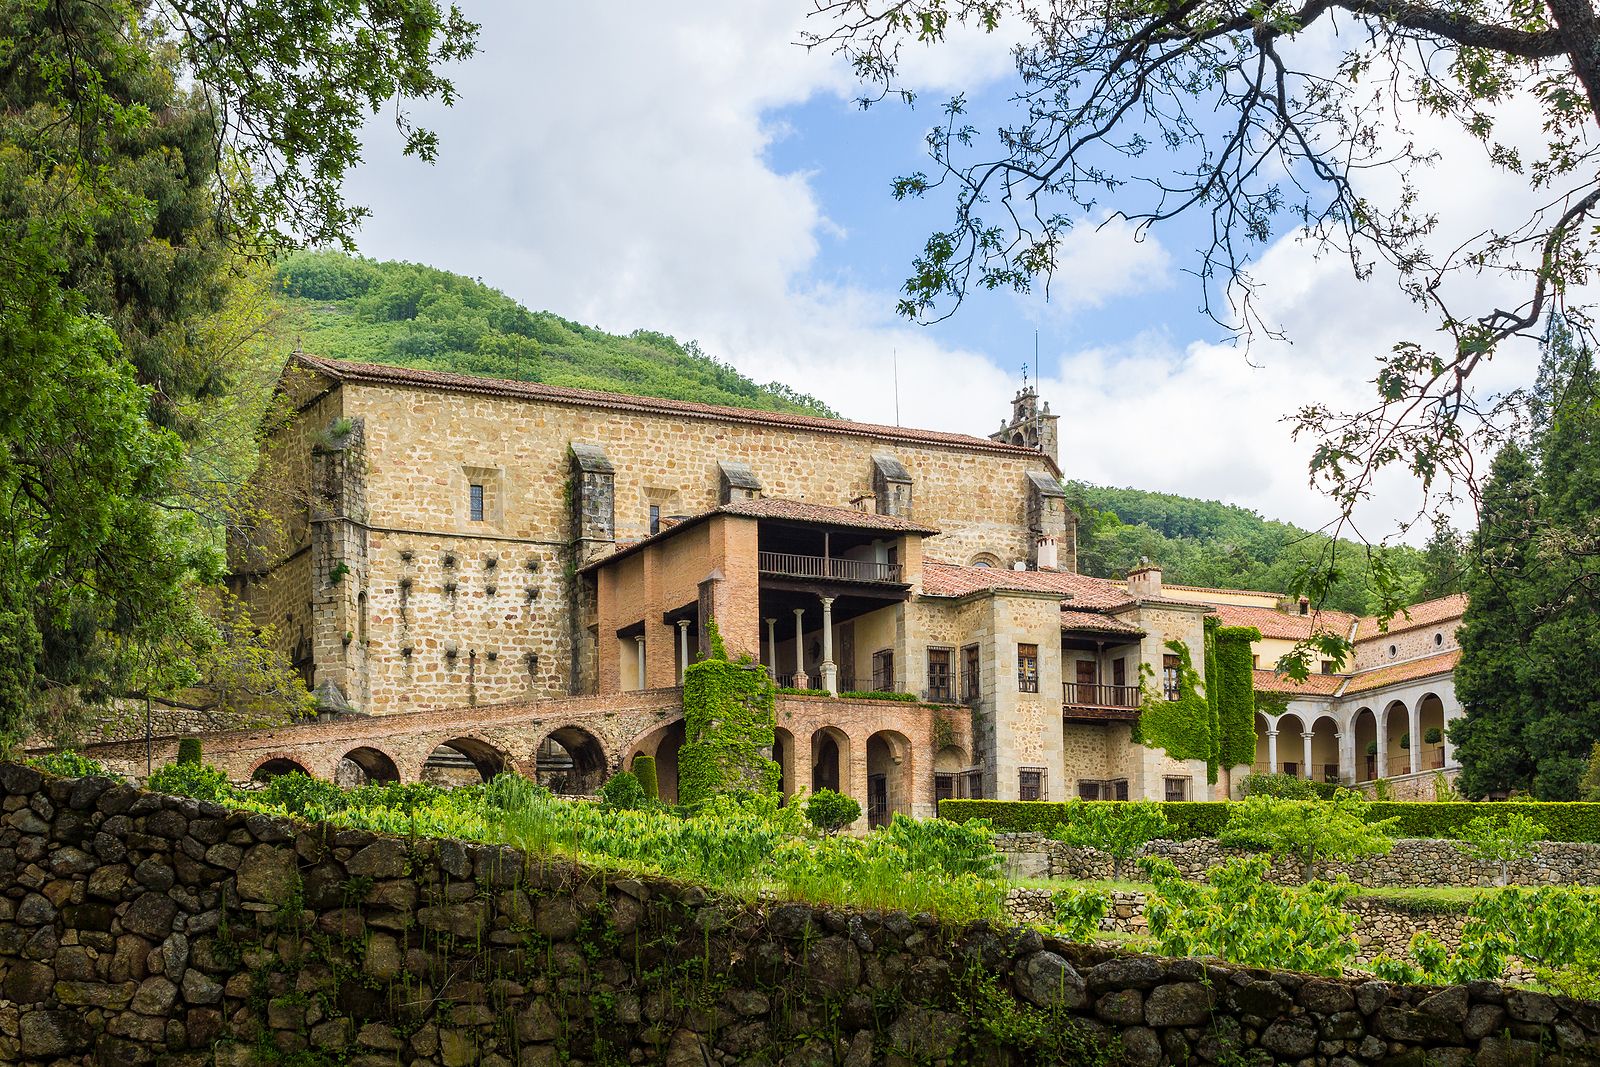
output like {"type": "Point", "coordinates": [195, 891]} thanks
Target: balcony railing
{"type": "Point", "coordinates": [790, 565]}
{"type": "Point", "coordinates": [1095, 695]}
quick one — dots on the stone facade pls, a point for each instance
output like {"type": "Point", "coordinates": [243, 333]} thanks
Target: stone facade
{"type": "Point", "coordinates": [139, 929]}
{"type": "Point", "coordinates": [1413, 863]}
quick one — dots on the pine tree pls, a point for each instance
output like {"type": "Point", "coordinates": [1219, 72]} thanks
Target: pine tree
{"type": "Point", "coordinates": [1443, 566]}
{"type": "Point", "coordinates": [1492, 677]}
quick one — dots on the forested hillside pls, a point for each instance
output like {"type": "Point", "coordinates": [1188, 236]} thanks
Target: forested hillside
{"type": "Point", "coordinates": [414, 316]}
{"type": "Point", "coordinates": [1205, 542]}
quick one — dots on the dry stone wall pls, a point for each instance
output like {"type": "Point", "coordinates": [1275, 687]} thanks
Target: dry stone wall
{"type": "Point", "coordinates": [139, 929]}
{"type": "Point", "coordinates": [1414, 862]}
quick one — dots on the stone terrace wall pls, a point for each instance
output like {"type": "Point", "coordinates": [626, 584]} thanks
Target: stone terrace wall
{"type": "Point", "coordinates": [1415, 862]}
{"type": "Point", "coordinates": [138, 929]}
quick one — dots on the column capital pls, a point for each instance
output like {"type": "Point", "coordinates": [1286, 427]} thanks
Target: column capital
{"type": "Point", "coordinates": [827, 601]}
{"type": "Point", "coordinates": [683, 624]}
{"type": "Point", "coordinates": [1308, 735]}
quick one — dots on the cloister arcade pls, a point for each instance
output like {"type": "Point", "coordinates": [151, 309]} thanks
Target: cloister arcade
{"type": "Point", "coordinates": [1361, 738]}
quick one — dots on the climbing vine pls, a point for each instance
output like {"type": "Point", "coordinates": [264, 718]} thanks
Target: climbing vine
{"type": "Point", "coordinates": [1232, 683]}
{"type": "Point", "coordinates": [728, 727]}
{"type": "Point", "coordinates": [1182, 727]}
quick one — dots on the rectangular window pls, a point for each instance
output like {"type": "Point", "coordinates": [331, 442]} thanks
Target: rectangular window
{"type": "Point", "coordinates": [475, 503]}
{"type": "Point", "coordinates": [1291, 769]}
{"type": "Point", "coordinates": [939, 674]}
{"type": "Point", "coordinates": [1255, 662]}
{"type": "Point", "coordinates": [969, 673]}
{"type": "Point", "coordinates": [1030, 784]}
{"type": "Point", "coordinates": [655, 518]}
{"type": "Point", "coordinates": [1169, 676]}
{"type": "Point", "coordinates": [1089, 790]}
{"type": "Point", "coordinates": [1119, 789]}
{"type": "Point", "coordinates": [883, 671]}
{"type": "Point", "coordinates": [1027, 668]}
{"type": "Point", "coordinates": [1327, 666]}
{"type": "Point", "coordinates": [1177, 789]}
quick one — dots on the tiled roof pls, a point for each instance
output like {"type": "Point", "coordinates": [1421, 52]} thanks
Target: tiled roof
{"type": "Point", "coordinates": [823, 514]}
{"type": "Point", "coordinates": [1270, 681]}
{"type": "Point", "coordinates": [1095, 623]}
{"type": "Point", "coordinates": [1219, 589]}
{"type": "Point", "coordinates": [1392, 674]}
{"type": "Point", "coordinates": [1284, 626]}
{"type": "Point", "coordinates": [950, 579]}
{"type": "Point", "coordinates": [1428, 613]}
{"type": "Point", "coordinates": [343, 370]}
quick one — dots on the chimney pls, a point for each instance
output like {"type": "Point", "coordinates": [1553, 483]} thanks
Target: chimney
{"type": "Point", "coordinates": [1145, 579]}
{"type": "Point", "coordinates": [1305, 605]}
{"type": "Point", "coordinates": [1045, 553]}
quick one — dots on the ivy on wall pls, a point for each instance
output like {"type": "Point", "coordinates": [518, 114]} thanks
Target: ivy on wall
{"type": "Point", "coordinates": [1182, 727]}
{"type": "Point", "coordinates": [1232, 681]}
{"type": "Point", "coordinates": [728, 727]}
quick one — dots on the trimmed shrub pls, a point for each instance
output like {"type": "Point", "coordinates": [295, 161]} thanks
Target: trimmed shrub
{"type": "Point", "coordinates": [622, 790]}
{"type": "Point", "coordinates": [1563, 820]}
{"type": "Point", "coordinates": [831, 812]}
{"type": "Point", "coordinates": [1286, 787]}
{"type": "Point", "coordinates": [189, 750]}
{"type": "Point", "coordinates": [644, 769]}
{"type": "Point", "coordinates": [866, 694]}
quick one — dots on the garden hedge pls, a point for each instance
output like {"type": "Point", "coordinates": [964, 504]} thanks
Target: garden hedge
{"type": "Point", "coordinates": [1206, 818]}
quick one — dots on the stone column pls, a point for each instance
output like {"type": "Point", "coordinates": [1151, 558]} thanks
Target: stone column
{"type": "Point", "coordinates": [1305, 771]}
{"type": "Point", "coordinates": [800, 678]}
{"type": "Point", "coordinates": [683, 648]}
{"type": "Point", "coordinates": [772, 647]}
{"type": "Point", "coordinates": [1414, 714]}
{"type": "Point", "coordinates": [639, 641]}
{"type": "Point", "coordinates": [1347, 759]}
{"type": "Point", "coordinates": [830, 670]}
{"type": "Point", "coordinates": [1449, 749]}
{"type": "Point", "coordinates": [1382, 770]}
{"type": "Point", "coordinates": [1272, 751]}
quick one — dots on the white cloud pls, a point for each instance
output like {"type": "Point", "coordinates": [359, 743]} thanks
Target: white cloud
{"type": "Point", "coordinates": [608, 162]}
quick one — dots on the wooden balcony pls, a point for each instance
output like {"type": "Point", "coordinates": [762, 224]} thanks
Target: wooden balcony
{"type": "Point", "coordinates": [1094, 702]}
{"type": "Point", "coordinates": [789, 565]}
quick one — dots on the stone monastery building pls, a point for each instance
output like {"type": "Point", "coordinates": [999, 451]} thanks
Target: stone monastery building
{"type": "Point", "coordinates": [465, 547]}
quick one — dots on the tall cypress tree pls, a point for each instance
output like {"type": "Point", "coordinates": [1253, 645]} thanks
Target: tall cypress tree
{"type": "Point", "coordinates": [1492, 678]}
{"type": "Point", "coordinates": [1563, 655]}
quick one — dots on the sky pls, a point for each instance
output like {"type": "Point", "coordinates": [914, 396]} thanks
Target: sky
{"type": "Point", "coordinates": [691, 169]}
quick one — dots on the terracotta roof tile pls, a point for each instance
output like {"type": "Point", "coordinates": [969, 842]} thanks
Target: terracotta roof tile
{"type": "Point", "coordinates": [343, 370]}
{"type": "Point", "coordinates": [1096, 623]}
{"type": "Point", "coordinates": [950, 579]}
{"type": "Point", "coordinates": [1270, 681]}
{"type": "Point", "coordinates": [1391, 674]}
{"type": "Point", "coordinates": [1283, 626]}
{"type": "Point", "coordinates": [1428, 613]}
{"type": "Point", "coordinates": [824, 514]}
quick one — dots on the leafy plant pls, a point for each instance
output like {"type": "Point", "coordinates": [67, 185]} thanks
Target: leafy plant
{"type": "Point", "coordinates": [1504, 841]}
{"type": "Point", "coordinates": [831, 812]}
{"type": "Point", "coordinates": [1286, 787]}
{"type": "Point", "coordinates": [1432, 735]}
{"type": "Point", "coordinates": [728, 725]}
{"type": "Point", "coordinates": [198, 780]}
{"type": "Point", "coordinates": [190, 750]}
{"type": "Point", "coordinates": [1119, 829]}
{"type": "Point", "coordinates": [1238, 916]}
{"type": "Point", "coordinates": [644, 769]}
{"type": "Point", "coordinates": [1307, 830]}
{"type": "Point", "coordinates": [1075, 912]}
{"type": "Point", "coordinates": [70, 764]}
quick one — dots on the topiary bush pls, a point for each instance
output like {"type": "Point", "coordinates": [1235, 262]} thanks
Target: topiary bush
{"type": "Point", "coordinates": [831, 812]}
{"type": "Point", "coordinates": [189, 750]}
{"type": "Point", "coordinates": [622, 790]}
{"type": "Point", "coordinates": [644, 769]}
{"type": "Point", "coordinates": [728, 725]}
{"type": "Point", "coordinates": [1286, 787]}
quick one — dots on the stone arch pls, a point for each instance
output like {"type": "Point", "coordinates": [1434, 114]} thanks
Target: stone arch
{"type": "Point", "coordinates": [1325, 766]}
{"type": "Point", "coordinates": [364, 765]}
{"type": "Point", "coordinates": [662, 743]}
{"type": "Point", "coordinates": [888, 776]}
{"type": "Point", "coordinates": [830, 760]}
{"type": "Point", "coordinates": [572, 761]}
{"type": "Point", "coordinates": [1396, 724]}
{"type": "Point", "coordinates": [274, 765]}
{"type": "Point", "coordinates": [1364, 725]}
{"type": "Point", "coordinates": [1263, 761]}
{"type": "Point", "coordinates": [463, 761]}
{"type": "Point", "coordinates": [1430, 716]}
{"type": "Point", "coordinates": [1291, 727]}
{"type": "Point", "coordinates": [984, 559]}
{"type": "Point", "coordinates": [950, 765]}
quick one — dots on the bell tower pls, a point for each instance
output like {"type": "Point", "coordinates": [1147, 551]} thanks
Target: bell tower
{"type": "Point", "coordinates": [1031, 425]}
